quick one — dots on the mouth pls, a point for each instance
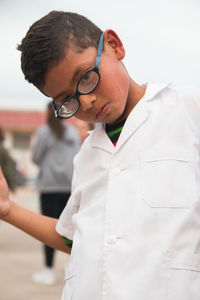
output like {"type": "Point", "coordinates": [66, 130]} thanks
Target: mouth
{"type": "Point", "coordinates": [103, 111]}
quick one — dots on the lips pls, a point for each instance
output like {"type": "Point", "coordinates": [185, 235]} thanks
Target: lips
{"type": "Point", "coordinates": [103, 111]}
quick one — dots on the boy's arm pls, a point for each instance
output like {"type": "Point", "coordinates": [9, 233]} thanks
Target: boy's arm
{"type": "Point", "coordinates": [40, 227]}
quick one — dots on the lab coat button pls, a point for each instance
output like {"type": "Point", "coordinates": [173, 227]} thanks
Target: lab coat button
{"type": "Point", "coordinates": [115, 171]}
{"type": "Point", "coordinates": [112, 239]}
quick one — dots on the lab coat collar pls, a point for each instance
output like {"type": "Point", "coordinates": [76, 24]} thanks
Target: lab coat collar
{"type": "Point", "coordinates": [152, 89]}
{"type": "Point", "coordinates": [136, 118]}
{"type": "Point", "coordinates": [99, 139]}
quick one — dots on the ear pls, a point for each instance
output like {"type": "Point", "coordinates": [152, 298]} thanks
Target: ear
{"type": "Point", "coordinates": [112, 40]}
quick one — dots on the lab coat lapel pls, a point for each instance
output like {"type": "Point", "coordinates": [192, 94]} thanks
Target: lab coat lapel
{"type": "Point", "coordinates": [135, 120]}
{"type": "Point", "coordinates": [133, 123]}
{"type": "Point", "coordinates": [99, 139]}
{"type": "Point", "coordinates": [140, 113]}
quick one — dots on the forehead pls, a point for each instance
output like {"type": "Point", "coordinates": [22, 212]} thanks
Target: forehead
{"type": "Point", "coordinates": [62, 76]}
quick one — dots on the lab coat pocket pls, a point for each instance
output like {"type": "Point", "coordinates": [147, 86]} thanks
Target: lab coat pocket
{"type": "Point", "coordinates": [67, 290]}
{"type": "Point", "coordinates": [168, 178]}
{"type": "Point", "coordinates": [183, 275]}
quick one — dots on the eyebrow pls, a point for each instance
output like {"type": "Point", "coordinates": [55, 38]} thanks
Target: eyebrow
{"type": "Point", "coordinates": [59, 95]}
{"type": "Point", "coordinates": [73, 80]}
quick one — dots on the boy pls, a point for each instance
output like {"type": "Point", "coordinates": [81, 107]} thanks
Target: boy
{"type": "Point", "coordinates": [134, 214]}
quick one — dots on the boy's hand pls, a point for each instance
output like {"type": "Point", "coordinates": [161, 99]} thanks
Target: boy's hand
{"type": "Point", "coordinates": [4, 198]}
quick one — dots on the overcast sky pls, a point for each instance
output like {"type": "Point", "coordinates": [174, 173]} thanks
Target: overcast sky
{"type": "Point", "coordinates": [161, 38]}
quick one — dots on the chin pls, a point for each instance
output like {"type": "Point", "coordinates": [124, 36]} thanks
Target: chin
{"type": "Point", "coordinates": [118, 119]}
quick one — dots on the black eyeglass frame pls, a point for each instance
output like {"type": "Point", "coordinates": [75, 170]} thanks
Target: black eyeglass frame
{"type": "Point", "coordinates": [77, 93]}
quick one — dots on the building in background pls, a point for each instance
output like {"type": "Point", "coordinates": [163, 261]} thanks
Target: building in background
{"type": "Point", "coordinates": [19, 128]}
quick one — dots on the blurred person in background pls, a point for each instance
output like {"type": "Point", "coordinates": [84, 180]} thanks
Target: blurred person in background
{"type": "Point", "coordinates": [53, 149]}
{"type": "Point", "coordinates": [7, 164]}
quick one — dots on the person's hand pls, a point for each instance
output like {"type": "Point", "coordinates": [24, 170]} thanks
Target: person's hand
{"type": "Point", "coordinates": [4, 198]}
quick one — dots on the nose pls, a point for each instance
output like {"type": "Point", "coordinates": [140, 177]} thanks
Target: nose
{"type": "Point", "coordinates": [87, 101]}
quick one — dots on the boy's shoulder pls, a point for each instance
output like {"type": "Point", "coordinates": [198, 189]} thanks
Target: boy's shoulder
{"type": "Point", "coordinates": [187, 91]}
{"type": "Point", "coordinates": [189, 99]}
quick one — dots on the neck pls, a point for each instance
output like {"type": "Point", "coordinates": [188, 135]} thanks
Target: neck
{"type": "Point", "coordinates": [136, 92]}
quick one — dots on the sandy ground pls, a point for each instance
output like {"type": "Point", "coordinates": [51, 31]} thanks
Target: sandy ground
{"type": "Point", "coordinates": [21, 256]}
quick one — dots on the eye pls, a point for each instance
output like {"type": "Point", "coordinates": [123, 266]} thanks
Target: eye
{"type": "Point", "coordinates": [88, 82]}
{"type": "Point", "coordinates": [85, 78]}
{"type": "Point", "coordinates": [61, 100]}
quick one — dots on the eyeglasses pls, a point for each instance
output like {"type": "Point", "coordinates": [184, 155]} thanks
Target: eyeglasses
{"type": "Point", "coordinates": [86, 84]}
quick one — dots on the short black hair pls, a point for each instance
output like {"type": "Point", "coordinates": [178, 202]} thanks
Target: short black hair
{"type": "Point", "coordinates": [48, 39]}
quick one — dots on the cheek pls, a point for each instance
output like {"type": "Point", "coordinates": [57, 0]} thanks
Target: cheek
{"type": "Point", "coordinates": [116, 85]}
{"type": "Point", "coordinates": [83, 116]}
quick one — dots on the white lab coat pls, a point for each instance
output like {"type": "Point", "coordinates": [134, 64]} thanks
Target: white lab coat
{"type": "Point", "coordinates": [134, 214]}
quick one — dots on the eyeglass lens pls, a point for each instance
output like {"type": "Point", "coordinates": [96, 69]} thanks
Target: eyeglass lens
{"type": "Point", "coordinates": [69, 108]}
{"type": "Point", "coordinates": [88, 82]}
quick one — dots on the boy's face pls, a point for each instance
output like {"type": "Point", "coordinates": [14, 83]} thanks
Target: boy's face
{"type": "Point", "coordinates": [109, 102]}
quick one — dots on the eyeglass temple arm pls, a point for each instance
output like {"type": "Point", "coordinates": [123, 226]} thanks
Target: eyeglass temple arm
{"type": "Point", "coordinates": [99, 51]}
{"type": "Point", "coordinates": [55, 108]}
